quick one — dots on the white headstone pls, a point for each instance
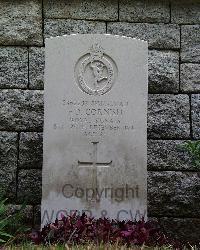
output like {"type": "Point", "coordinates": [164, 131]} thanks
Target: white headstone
{"type": "Point", "coordinates": [95, 127]}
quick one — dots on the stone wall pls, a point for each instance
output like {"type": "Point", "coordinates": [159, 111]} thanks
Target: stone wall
{"type": "Point", "coordinates": [172, 30]}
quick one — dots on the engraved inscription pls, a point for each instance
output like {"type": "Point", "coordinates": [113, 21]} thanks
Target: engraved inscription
{"type": "Point", "coordinates": [95, 72]}
{"type": "Point", "coordinates": [95, 117]}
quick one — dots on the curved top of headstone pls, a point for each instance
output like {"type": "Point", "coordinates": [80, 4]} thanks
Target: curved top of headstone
{"type": "Point", "coordinates": [88, 36]}
{"type": "Point", "coordinates": [98, 56]}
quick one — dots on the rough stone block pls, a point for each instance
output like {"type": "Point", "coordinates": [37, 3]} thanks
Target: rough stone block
{"type": "Point", "coordinates": [190, 78]}
{"type": "Point", "coordinates": [21, 110]}
{"type": "Point", "coordinates": [87, 9]}
{"type": "Point", "coordinates": [144, 11]}
{"type": "Point", "coordinates": [61, 27]}
{"type": "Point", "coordinates": [165, 36]}
{"type": "Point", "coordinates": [29, 186]}
{"type": "Point", "coordinates": [36, 68]}
{"type": "Point", "coordinates": [168, 116]}
{"type": "Point", "coordinates": [168, 155]}
{"type": "Point", "coordinates": [37, 216]}
{"type": "Point", "coordinates": [174, 193]}
{"type": "Point", "coordinates": [26, 213]}
{"type": "Point", "coordinates": [163, 71]}
{"type": "Point", "coordinates": [190, 43]}
{"type": "Point", "coordinates": [30, 150]}
{"type": "Point", "coordinates": [8, 163]}
{"type": "Point", "coordinates": [186, 11]}
{"type": "Point", "coordinates": [14, 67]}
{"type": "Point", "coordinates": [21, 22]}
{"type": "Point", "coordinates": [195, 102]}
{"type": "Point", "coordinates": [185, 229]}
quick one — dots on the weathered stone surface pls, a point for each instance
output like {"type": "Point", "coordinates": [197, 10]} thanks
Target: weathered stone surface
{"type": "Point", "coordinates": [190, 77]}
{"type": "Point", "coordinates": [37, 217]}
{"type": "Point", "coordinates": [36, 68]}
{"type": "Point", "coordinates": [168, 155]}
{"type": "Point", "coordinates": [195, 101]}
{"type": "Point", "coordinates": [174, 193]}
{"type": "Point", "coordinates": [92, 140]}
{"type": "Point", "coordinates": [144, 11]}
{"type": "Point", "coordinates": [163, 71]}
{"type": "Point", "coordinates": [186, 229]}
{"type": "Point", "coordinates": [8, 163]}
{"type": "Point", "coordinates": [158, 35]}
{"type": "Point", "coordinates": [21, 22]}
{"type": "Point", "coordinates": [30, 150]}
{"type": "Point", "coordinates": [190, 43]}
{"type": "Point", "coordinates": [14, 67]}
{"type": "Point", "coordinates": [184, 12]}
{"type": "Point", "coordinates": [94, 10]}
{"type": "Point", "coordinates": [29, 186]}
{"type": "Point", "coordinates": [168, 116]}
{"type": "Point", "coordinates": [62, 27]}
{"type": "Point", "coordinates": [26, 213]}
{"type": "Point", "coordinates": [21, 110]}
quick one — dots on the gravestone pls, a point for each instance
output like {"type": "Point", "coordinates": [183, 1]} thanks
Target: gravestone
{"type": "Point", "coordinates": [95, 127]}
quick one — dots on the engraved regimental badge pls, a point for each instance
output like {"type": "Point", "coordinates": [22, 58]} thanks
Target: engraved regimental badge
{"type": "Point", "coordinates": [95, 72]}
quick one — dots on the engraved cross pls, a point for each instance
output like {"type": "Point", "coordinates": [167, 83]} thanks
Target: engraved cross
{"type": "Point", "coordinates": [94, 164]}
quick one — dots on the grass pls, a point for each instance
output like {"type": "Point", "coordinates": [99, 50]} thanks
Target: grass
{"type": "Point", "coordinates": [89, 247]}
